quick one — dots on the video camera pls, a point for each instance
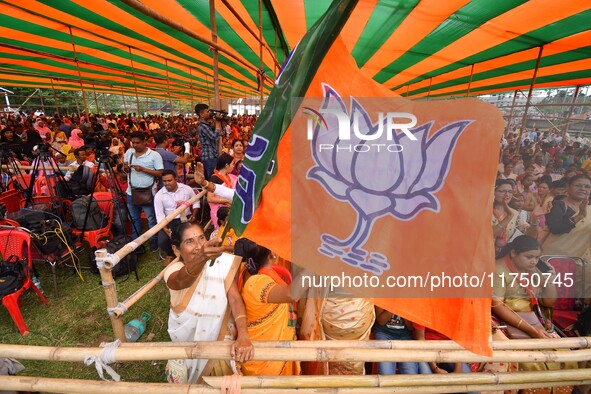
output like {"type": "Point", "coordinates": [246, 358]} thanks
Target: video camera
{"type": "Point", "coordinates": [219, 114]}
{"type": "Point", "coordinates": [100, 141]}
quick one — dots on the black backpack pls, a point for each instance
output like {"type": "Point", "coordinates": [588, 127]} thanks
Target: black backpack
{"type": "Point", "coordinates": [78, 210]}
{"type": "Point", "coordinates": [12, 275]}
{"type": "Point", "coordinates": [81, 181]}
{"type": "Point", "coordinates": [129, 263]}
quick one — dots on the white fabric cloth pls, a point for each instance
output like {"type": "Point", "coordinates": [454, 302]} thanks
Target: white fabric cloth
{"type": "Point", "coordinates": [203, 317]}
{"type": "Point", "coordinates": [224, 191]}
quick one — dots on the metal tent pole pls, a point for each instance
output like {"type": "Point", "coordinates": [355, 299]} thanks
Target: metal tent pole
{"type": "Point", "coordinates": [511, 113]}
{"type": "Point", "coordinates": [527, 103]}
{"type": "Point", "coordinates": [79, 74]}
{"type": "Point", "coordinates": [470, 81]}
{"type": "Point", "coordinates": [57, 108]}
{"type": "Point", "coordinates": [570, 111]}
{"type": "Point", "coordinates": [137, 99]}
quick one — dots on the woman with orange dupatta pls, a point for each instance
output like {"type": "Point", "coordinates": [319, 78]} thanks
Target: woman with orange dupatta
{"type": "Point", "coordinates": [269, 313]}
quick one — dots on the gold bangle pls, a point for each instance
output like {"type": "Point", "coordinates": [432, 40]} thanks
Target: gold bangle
{"type": "Point", "coordinates": [206, 184]}
{"type": "Point", "coordinates": [190, 274]}
{"type": "Point", "coordinates": [239, 317]}
{"type": "Point", "coordinates": [520, 322]}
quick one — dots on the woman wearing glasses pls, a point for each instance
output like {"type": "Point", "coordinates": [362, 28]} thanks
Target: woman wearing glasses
{"type": "Point", "coordinates": [505, 220]}
{"type": "Point", "coordinates": [200, 294]}
{"type": "Point", "coordinates": [569, 223]}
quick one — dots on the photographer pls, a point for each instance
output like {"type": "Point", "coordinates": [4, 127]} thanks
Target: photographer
{"type": "Point", "coordinates": [209, 136]}
{"type": "Point", "coordinates": [169, 159]}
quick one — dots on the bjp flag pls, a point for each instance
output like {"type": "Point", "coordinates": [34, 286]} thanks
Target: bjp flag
{"type": "Point", "coordinates": [381, 196]}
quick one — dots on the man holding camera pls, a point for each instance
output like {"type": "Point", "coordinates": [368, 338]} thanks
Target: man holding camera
{"type": "Point", "coordinates": [170, 159]}
{"type": "Point", "coordinates": [209, 136]}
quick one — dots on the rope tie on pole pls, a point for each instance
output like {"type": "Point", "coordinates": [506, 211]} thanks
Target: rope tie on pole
{"type": "Point", "coordinates": [106, 357]}
{"type": "Point", "coordinates": [121, 308]}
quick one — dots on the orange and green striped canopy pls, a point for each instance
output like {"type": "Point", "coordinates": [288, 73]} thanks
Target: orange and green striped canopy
{"type": "Point", "coordinates": [417, 48]}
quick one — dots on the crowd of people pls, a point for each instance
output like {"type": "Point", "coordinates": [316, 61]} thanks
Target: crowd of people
{"type": "Point", "coordinates": [541, 203]}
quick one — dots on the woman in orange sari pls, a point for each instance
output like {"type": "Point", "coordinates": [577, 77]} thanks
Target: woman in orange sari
{"type": "Point", "coordinates": [269, 313]}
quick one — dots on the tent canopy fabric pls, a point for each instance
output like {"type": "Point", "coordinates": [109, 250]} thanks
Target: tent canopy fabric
{"type": "Point", "coordinates": [416, 48]}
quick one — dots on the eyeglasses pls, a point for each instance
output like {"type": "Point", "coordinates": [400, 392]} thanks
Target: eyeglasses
{"type": "Point", "coordinates": [586, 187]}
{"type": "Point", "coordinates": [504, 191]}
{"type": "Point", "coordinates": [195, 240]}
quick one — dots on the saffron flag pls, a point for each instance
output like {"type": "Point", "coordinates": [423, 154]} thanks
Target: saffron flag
{"type": "Point", "coordinates": [385, 197]}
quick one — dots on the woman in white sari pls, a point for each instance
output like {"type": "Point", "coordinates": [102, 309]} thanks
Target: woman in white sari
{"type": "Point", "coordinates": [199, 296]}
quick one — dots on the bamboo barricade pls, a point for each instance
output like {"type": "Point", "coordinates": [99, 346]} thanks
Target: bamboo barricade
{"type": "Point", "coordinates": [514, 344]}
{"type": "Point", "coordinates": [29, 168]}
{"type": "Point", "coordinates": [450, 383]}
{"type": "Point", "coordinates": [105, 263]}
{"type": "Point", "coordinates": [142, 291]}
{"type": "Point", "coordinates": [221, 351]}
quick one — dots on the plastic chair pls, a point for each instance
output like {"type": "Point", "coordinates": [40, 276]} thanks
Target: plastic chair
{"type": "Point", "coordinates": [566, 309]}
{"type": "Point", "coordinates": [23, 179]}
{"type": "Point", "coordinates": [105, 203]}
{"type": "Point", "coordinates": [18, 242]}
{"type": "Point", "coordinates": [12, 200]}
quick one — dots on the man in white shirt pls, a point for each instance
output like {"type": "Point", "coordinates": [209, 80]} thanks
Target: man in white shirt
{"type": "Point", "coordinates": [80, 155]}
{"type": "Point", "coordinates": [165, 202]}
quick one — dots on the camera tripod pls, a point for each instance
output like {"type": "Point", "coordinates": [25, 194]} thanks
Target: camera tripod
{"type": "Point", "coordinates": [57, 186]}
{"type": "Point", "coordinates": [117, 194]}
{"type": "Point", "coordinates": [10, 170]}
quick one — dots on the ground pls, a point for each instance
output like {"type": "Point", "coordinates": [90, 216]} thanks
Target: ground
{"type": "Point", "coordinates": [77, 317]}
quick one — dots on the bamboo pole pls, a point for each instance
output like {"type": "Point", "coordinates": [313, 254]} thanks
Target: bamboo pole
{"type": "Point", "coordinates": [111, 260]}
{"type": "Point", "coordinates": [110, 289]}
{"type": "Point", "coordinates": [252, 32]}
{"type": "Point", "coordinates": [514, 344]}
{"type": "Point", "coordinates": [214, 54]}
{"type": "Point", "coordinates": [221, 351]}
{"type": "Point", "coordinates": [453, 379]}
{"type": "Point", "coordinates": [177, 26]}
{"type": "Point", "coordinates": [55, 385]}
{"type": "Point", "coordinates": [28, 168]}
{"type": "Point", "coordinates": [79, 74]}
{"type": "Point", "coordinates": [528, 102]}
{"type": "Point", "coordinates": [142, 291]}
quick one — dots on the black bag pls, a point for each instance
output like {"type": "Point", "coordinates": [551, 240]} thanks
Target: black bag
{"type": "Point", "coordinates": [141, 195]}
{"type": "Point", "coordinates": [81, 181]}
{"type": "Point", "coordinates": [30, 219]}
{"type": "Point", "coordinates": [57, 239]}
{"type": "Point", "coordinates": [95, 216]}
{"type": "Point", "coordinates": [12, 275]}
{"type": "Point", "coordinates": [129, 263]}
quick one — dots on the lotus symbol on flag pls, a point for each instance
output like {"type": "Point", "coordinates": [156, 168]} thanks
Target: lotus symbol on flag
{"type": "Point", "coordinates": [377, 183]}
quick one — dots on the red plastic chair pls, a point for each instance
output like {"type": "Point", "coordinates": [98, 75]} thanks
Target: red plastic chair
{"type": "Point", "coordinates": [564, 313]}
{"type": "Point", "coordinates": [105, 203]}
{"type": "Point", "coordinates": [12, 200]}
{"type": "Point", "coordinates": [18, 242]}
{"type": "Point", "coordinates": [23, 179]}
